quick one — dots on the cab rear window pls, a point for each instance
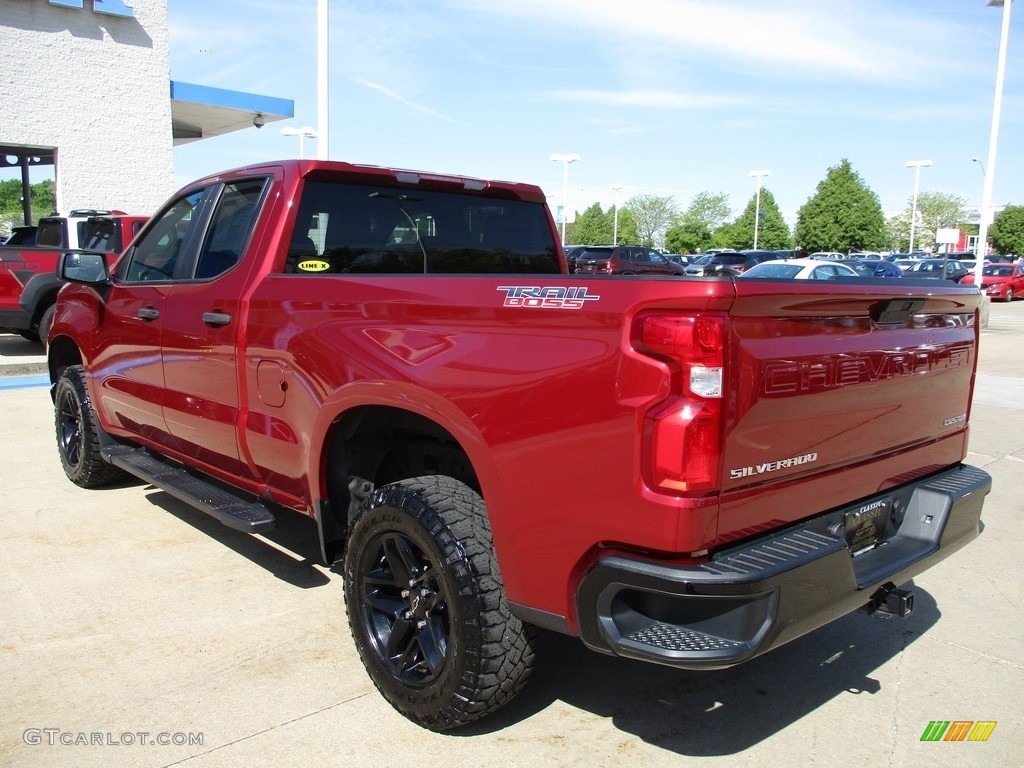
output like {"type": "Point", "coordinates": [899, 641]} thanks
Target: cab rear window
{"type": "Point", "coordinates": [356, 228]}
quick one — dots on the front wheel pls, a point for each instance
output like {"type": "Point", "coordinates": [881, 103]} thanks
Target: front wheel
{"type": "Point", "coordinates": [1009, 294]}
{"type": "Point", "coordinates": [426, 604]}
{"type": "Point", "coordinates": [78, 441]}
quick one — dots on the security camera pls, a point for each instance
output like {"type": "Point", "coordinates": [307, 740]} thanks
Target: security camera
{"type": "Point", "coordinates": [259, 121]}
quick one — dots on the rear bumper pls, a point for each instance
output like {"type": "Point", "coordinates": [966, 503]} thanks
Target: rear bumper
{"type": "Point", "coordinates": [757, 596]}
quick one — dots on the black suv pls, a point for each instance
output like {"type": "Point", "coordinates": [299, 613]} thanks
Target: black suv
{"type": "Point", "coordinates": [948, 269]}
{"type": "Point", "coordinates": [625, 260]}
{"type": "Point", "coordinates": [733, 262]}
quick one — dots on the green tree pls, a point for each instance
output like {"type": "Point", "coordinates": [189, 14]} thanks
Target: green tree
{"type": "Point", "coordinates": [652, 215]}
{"type": "Point", "coordinates": [692, 230]}
{"type": "Point", "coordinates": [724, 236]}
{"type": "Point", "coordinates": [591, 228]}
{"type": "Point", "coordinates": [595, 227]}
{"type": "Point", "coordinates": [935, 210]}
{"type": "Point", "coordinates": [687, 237]}
{"type": "Point", "coordinates": [43, 199]}
{"type": "Point", "coordinates": [772, 232]}
{"type": "Point", "coordinates": [710, 210]}
{"type": "Point", "coordinates": [628, 234]}
{"type": "Point", "coordinates": [897, 233]}
{"type": "Point", "coordinates": [1007, 231]}
{"type": "Point", "coordinates": [842, 215]}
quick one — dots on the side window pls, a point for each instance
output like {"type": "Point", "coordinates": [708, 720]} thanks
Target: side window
{"type": "Point", "coordinates": [156, 255]}
{"type": "Point", "coordinates": [230, 228]}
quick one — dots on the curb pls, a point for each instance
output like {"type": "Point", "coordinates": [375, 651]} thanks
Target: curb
{"type": "Point", "coordinates": [23, 369]}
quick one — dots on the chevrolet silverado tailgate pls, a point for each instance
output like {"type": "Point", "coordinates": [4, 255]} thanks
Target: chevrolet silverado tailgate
{"type": "Point", "coordinates": [823, 384]}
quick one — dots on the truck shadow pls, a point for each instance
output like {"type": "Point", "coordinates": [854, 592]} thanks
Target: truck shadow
{"type": "Point", "coordinates": [293, 556]}
{"type": "Point", "coordinates": [721, 712]}
{"type": "Point", "coordinates": [696, 714]}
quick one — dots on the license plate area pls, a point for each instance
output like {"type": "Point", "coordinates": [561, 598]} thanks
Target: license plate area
{"type": "Point", "coordinates": [865, 526]}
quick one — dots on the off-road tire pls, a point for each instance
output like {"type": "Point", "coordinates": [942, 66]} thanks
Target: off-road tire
{"type": "Point", "coordinates": [427, 607]}
{"type": "Point", "coordinates": [78, 441]}
{"type": "Point", "coordinates": [45, 322]}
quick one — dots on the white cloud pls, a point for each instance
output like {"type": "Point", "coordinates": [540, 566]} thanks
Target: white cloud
{"type": "Point", "coordinates": [657, 99]}
{"type": "Point", "coordinates": [384, 91]}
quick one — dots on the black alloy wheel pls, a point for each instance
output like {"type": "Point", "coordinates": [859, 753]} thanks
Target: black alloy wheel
{"type": "Point", "coordinates": [426, 604]}
{"type": "Point", "coordinates": [78, 441]}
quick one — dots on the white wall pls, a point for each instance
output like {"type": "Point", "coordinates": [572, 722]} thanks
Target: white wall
{"type": "Point", "coordinates": [97, 88]}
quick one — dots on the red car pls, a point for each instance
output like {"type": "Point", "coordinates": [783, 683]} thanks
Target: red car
{"type": "Point", "coordinates": [1000, 281]}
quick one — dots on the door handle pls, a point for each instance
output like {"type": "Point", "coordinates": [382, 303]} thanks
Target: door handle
{"type": "Point", "coordinates": [148, 313]}
{"type": "Point", "coordinates": [216, 318]}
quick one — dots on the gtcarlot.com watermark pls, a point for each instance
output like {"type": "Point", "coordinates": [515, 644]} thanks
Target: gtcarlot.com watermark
{"type": "Point", "coordinates": [58, 737]}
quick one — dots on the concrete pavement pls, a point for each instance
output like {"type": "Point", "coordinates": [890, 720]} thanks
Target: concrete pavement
{"type": "Point", "coordinates": [124, 612]}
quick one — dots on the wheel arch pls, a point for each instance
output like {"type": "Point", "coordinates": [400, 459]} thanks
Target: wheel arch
{"type": "Point", "coordinates": [61, 353]}
{"type": "Point", "coordinates": [370, 444]}
{"type": "Point", "coordinates": [39, 294]}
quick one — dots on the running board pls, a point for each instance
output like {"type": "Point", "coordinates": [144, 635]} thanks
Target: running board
{"type": "Point", "coordinates": [232, 510]}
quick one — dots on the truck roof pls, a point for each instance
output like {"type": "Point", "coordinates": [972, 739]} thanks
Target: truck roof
{"type": "Point", "coordinates": [400, 176]}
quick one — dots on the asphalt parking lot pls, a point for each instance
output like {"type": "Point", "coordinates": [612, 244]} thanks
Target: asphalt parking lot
{"type": "Point", "coordinates": [136, 631]}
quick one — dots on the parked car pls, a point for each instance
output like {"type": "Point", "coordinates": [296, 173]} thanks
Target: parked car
{"type": "Point", "coordinates": [863, 255]}
{"type": "Point", "coordinates": [1000, 281]}
{"type": "Point", "coordinates": [25, 235]}
{"type": "Point", "coordinates": [625, 260]}
{"type": "Point", "coordinates": [906, 256]}
{"type": "Point", "coordinates": [948, 269]}
{"type": "Point", "coordinates": [873, 267]}
{"type": "Point", "coordinates": [799, 269]}
{"type": "Point", "coordinates": [730, 263]}
{"type": "Point", "coordinates": [827, 255]}
{"type": "Point", "coordinates": [680, 258]}
{"type": "Point", "coordinates": [572, 252]}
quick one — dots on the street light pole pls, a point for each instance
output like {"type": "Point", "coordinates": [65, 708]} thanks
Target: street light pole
{"type": "Point", "coordinates": [993, 142]}
{"type": "Point", "coordinates": [565, 160]}
{"type": "Point", "coordinates": [616, 188]}
{"type": "Point", "coordinates": [757, 205]}
{"type": "Point", "coordinates": [323, 69]}
{"type": "Point", "coordinates": [302, 133]}
{"type": "Point", "coordinates": [917, 165]}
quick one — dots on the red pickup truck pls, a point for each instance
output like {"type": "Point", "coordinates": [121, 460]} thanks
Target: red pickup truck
{"type": "Point", "coordinates": [687, 471]}
{"type": "Point", "coordinates": [28, 274]}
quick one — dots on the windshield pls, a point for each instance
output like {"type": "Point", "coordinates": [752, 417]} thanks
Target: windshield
{"type": "Point", "coordinates": [773, 271]}
{"type": "Point", "coordinates": [998, 271]}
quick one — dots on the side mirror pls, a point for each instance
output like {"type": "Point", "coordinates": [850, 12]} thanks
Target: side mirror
{"type": "Point", "coordinates": [84, 267]}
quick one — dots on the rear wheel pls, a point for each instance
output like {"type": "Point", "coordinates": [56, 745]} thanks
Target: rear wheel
{"type": "Point", "coordinates": [78, 441]}
{"type": "Point", "coordinates": [426, 604]}
{"type": "Point", "coordinates": [45, 321]}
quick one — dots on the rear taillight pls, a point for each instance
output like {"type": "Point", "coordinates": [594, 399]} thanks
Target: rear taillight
{"type": "Point", "coordinates": [682, 434]}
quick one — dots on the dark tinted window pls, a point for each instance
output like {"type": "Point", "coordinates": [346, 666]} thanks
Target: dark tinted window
{"type": "Point", "coordinates": [231, 227]}
{"type": "Point", "coordinates": [353, 228]}
{"type": "Point", "coordinates": [156, 255]}
{"type": "Point", "coordinates": [730, 258]}
{"type": "Point", "coordinates": [50, 233]}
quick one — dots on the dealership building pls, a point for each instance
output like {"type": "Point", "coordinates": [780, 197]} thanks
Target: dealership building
{"type": "Point", "coordinates": [85, 87]}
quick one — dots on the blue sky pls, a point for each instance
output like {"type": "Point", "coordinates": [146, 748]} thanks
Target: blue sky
{"type": "Point", "coordinates": [665, 97]}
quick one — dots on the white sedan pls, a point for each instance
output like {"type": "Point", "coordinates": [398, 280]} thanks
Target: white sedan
{"type": "Point", "coordinates": [799, 269]}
